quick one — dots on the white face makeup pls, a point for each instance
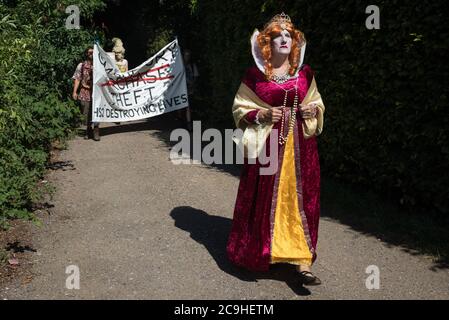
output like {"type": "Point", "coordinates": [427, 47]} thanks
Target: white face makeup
{"type": "Point", "coordinates": [282, 44]}
{"type": "Point", "coordinates": [258, 57]}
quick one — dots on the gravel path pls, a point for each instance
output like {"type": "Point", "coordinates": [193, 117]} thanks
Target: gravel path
{"type": "Point", "coordinates": [139, 227]}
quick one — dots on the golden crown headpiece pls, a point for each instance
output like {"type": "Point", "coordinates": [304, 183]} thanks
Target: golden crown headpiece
{"type": "Point", "coordinates": [281, 19]}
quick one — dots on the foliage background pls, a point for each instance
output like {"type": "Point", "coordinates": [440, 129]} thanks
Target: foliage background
{"type": "Point", "coordinates": [386, 91]}
{"type": "Point", "coordinates": [38, 56]}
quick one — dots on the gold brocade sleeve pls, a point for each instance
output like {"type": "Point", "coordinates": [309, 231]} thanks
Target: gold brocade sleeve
{"type": "Point", "coordinates": [245, 101]}
{"type": "Point", "coordinates": [314, 126]}
{"type": "Point", "coordinates": [254, 136]}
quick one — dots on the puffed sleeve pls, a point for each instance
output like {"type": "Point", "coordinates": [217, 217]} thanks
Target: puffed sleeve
{"type": "Point", "coordinates": [77, 75]}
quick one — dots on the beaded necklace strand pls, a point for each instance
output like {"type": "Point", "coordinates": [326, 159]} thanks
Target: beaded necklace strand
{"type": "Point", "coordinates": [292, 120]}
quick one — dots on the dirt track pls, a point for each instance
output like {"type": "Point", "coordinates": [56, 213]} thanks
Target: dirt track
{"type": "Point", "coordinates": [139, 227]}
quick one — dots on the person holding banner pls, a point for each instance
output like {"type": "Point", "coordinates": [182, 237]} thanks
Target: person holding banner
{"type": "Point", "coordinates": [83, 78]}
{"type": "Point", "coordinates": [276, 216]}
{"type": "Point", "coordinates": [119, 56]}
{"type": "Point", "coordinates": [119, 52]}
{"type": "Point", "coordinates": [192, 75]}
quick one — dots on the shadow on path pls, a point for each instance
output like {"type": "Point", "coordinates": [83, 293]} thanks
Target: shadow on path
{"type": "Point", "coordinates": [417, 232]}
{"type": "Point", "coordinates": [212, 232]}
{"type": "Point", "coordinates": [365, 212]}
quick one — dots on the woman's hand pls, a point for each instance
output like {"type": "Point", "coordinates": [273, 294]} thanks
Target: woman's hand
{"type": "Point", "coordinates": [272, 115]}
{"type": "Point", "coordinates": [308, 111]}
{"type": "Point", "coordinates": [75, 96]}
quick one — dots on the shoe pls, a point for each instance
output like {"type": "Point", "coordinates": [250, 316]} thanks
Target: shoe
{"type": "Point", "coordinates": [97, 134]}
{"type": "Point", "coordinates": [307, 278]}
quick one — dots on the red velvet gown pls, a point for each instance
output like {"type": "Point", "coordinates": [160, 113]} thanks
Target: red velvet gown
{"type": "Point", "coordinates": [250, 243]}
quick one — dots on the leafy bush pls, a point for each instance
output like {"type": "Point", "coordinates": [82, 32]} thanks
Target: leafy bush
{"type": "Point", "coordinates": [385, 90]}
{"type": "Point", "coordinates": [38, 59]}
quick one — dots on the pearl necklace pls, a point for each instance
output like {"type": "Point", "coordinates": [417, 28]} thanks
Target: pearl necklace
{"type": "Point", "coordinates": [292, 120]}
{"type": "Point", "coordinates": [281, 79]}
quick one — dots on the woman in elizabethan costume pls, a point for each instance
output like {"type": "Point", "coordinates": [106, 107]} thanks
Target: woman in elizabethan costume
{"type": "Point", "coordinates": [276, 216]}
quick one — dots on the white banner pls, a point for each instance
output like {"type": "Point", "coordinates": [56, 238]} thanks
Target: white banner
{"type": "Point", "coordinates": [156, 86]}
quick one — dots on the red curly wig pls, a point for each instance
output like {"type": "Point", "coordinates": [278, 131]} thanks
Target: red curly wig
{"type": "Point", "coordinates": [270, 32]}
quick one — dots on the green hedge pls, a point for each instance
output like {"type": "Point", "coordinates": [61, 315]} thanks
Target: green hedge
{"type": "Point", "coordinates": [38, 57]}
{"type": "Point", "coordinates": [386, 91]}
